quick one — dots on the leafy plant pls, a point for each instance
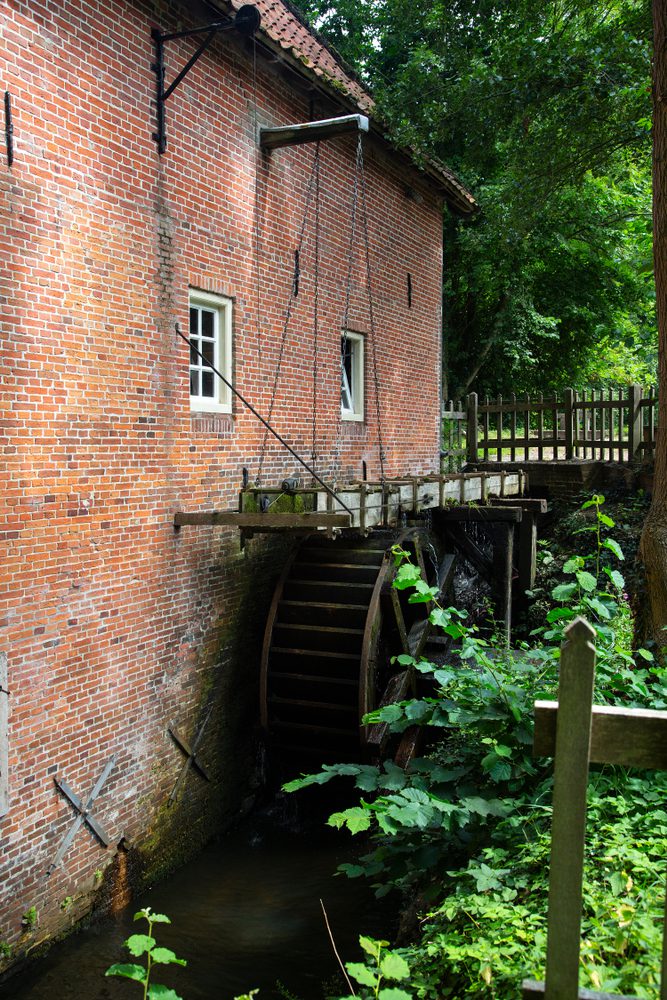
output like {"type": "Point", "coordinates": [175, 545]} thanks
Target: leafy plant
{"type": "Point", "coordinates": [381, 966]}
{"type": "Point", "coordinates": [467, 828]}
{"type": "Point", "coordinates": [145, 944]}
{"type": "Point", "coordinates": [30, 919]}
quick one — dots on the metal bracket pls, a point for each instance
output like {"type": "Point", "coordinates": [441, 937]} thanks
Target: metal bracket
{"type": "Point", "coordinates": [246, 22]}
{"type": "Point", "coordinates": [191, 756]}
{"type": "Point", "coordinates": [9, 129]}
{"type": "Point", "coordinates": [85, 815]}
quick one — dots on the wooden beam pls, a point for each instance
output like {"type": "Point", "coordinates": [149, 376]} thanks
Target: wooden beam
{"type": "Point", "coordinates": [257, 522]}
{"type": "Point", "coordinates": [632, 737]}
{"type": "Point", "coordinates": [484, 514]}
{"type": "Point", "coordinates": [295, 135]}
{"type": "Point", "coordinates": [537, 505]}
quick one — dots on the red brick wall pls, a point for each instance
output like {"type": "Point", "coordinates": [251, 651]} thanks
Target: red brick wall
{"type": "Point", "coordinates": [114, 624]}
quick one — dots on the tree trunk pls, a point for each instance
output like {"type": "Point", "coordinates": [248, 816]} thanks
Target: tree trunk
{"type": "Point", "coordinates": [653, 549]}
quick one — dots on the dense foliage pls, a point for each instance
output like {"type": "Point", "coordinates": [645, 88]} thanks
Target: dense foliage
{"type": "Point", "coordinates": [543, 109]}
{"type": "Point", "coordinates": [466, 829]}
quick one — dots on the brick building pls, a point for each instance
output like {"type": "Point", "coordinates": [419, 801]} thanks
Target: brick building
{"type": "Point", "coordinates": [114, 625]}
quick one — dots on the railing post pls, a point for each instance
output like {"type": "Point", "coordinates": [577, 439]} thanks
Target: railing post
{"type": "Point", "coordinates": [568, 406]}
{"type": "Point", "coordinates": [472, 432]}
{"type": "Point", "coordinates": [573, 739]}
{"type": "Point", "coordinates": [635, 428]}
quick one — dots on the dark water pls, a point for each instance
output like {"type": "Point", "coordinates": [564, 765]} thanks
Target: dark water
{"type": "Point", "coordinates": [245, 914]}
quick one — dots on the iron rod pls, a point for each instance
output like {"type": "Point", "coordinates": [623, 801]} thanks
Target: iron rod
{"type": "Point", "coordinates": [263, 421]}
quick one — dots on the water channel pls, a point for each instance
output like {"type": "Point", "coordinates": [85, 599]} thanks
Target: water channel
{"type": "Point", "coordinates": [245, 914]}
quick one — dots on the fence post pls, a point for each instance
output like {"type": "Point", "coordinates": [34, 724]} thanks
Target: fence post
{"type": "Point", "coordinates": [573, 738]}
{"type": "Point", "coordinates": [568, 406]}
{"type": "Point", "coordinates": [472, 431]}
{"type": "Point", "coordinates": [635, 428]}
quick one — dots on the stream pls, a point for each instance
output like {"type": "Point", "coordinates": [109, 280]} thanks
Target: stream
{"type": "Point", "coordinates": [245, 913]}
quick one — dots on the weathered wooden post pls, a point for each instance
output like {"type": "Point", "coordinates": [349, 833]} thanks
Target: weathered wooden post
{"type": "Point", "coordinates": [568, 405]}
{"type": "Point", "coordinates": [472, 431]}
{"type": "Point", "coordinates": [635, 428]}
{"type": "Point", "coordinates": [573, 739]}
{"type": "Point", "coordinates": [577, 733]}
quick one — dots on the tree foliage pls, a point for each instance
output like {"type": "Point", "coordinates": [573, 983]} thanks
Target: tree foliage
{"type": "Point", "coordinates": [543, 109]}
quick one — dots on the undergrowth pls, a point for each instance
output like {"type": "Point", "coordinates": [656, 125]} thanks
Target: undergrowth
{"type": "Point", "coordinates": [466, 829]}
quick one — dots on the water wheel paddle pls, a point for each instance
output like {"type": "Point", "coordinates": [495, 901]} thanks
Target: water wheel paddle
{"type": "Point", "coordinates": [334, 624]}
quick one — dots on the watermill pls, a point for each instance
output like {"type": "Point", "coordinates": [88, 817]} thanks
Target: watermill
{"type": "Point", "coordinates": [334, 627]}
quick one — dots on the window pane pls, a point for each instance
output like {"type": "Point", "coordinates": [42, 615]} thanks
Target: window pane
{"type": "Point", "coordinates": [194, 357]}
{"type": "Point", "coordinates": [207, 349]}
{"type": "Point", "coordinates": [194, 383]}
{"type": "Point", "coordinates": [207, 384]}
{"type": "Point", "coordinates": [206, 323]}
{"type": "Point", "coordinates": [193, 320]}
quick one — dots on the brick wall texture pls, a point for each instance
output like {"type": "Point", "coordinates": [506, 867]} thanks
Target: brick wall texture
{"type": "Point", "coordinates": [114, 624]}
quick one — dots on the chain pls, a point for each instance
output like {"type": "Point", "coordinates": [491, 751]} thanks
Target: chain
{"type": "Point", "coordinates": [369, 286]}
{"type": "Point", "coordinates": [288, 314]}
{"type": "Point", "coordinates": [316, 306]}
{"type": "Point", "coordinates": [346, 312]}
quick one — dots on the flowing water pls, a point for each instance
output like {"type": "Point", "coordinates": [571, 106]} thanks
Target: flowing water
{"type": "Point", "coordinates": [246, 913]}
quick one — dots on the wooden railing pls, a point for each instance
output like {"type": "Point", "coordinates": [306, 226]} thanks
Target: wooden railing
{"type": "Point", "coordinates": [577, 733]}
{"type": "Point", "coordinates": [613, 425]}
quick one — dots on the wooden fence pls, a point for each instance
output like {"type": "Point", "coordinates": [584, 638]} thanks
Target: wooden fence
{"type": "Point", "coordinates": [614, 425]}
{"type": "Point", "coordinates": [577, 733]}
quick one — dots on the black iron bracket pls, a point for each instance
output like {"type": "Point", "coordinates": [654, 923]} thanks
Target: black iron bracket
{"type": "Point", "coordinates": [246, 22]}
{"type": "Point", "coordinates": [9, 129]}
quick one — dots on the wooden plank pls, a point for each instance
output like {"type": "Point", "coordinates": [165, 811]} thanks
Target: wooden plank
{"type": "Point", "coordinates": [530, 989]}
{"type": "Point", "coordinates": [568, 829]}
{"type": "Point", "coordinates": [238, 519]}
{"type": "Point", "coordinates": [632, 737]}
{"type": "Point", "coordinates": [397, 689]}
{"type": "Point", "coordinates": [486, 514]}
{"type": "Point", "coordinates": [536, 505]}
{"type": "Point", "coordinates": [295, 135]}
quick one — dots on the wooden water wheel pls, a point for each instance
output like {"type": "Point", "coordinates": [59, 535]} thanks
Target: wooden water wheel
{"type": "Point", "coordinates": [335, 623]}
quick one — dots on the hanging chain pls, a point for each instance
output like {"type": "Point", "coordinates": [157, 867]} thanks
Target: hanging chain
{"type": "Point", "coordinates": [346, 312]}
{"type": "Point", "coordinates": [369, 286]}
{"type": "Point", "coordinates": [258, 155]}
{"type": "Point", "coordinates": [316, 306]}
{"type": "Point", "coordinates": [288, 314]}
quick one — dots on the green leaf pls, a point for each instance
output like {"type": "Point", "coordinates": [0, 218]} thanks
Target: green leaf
{"type": "Point", "coordinates": [139, 944]}
{"type": "Point", "coordinates": [393, 993]}
{"type": "Point", "coordinates": [600, 608]}
{"type": "Point", "coordinates": [606, 520]}
{"type": "Point", "coordinates": [404, 659]}
{"type": "Point", "coordinates": [165, 956]}
{"type": "Point", "coordinates": [128, 971]}
{"type": "Point", "coordinates": [406, 576]}
{"type": "Point", "coordinates": [586, 581]}
{"type": "Point", "coordinates": [573, 564]}
{"type": "Point", "coordinates": [361, 973]}
{"type": "Point", "coordinates": [646, 655]}
{"type": "Point", "coordinates": [564, 591]}
{"type": "Point", "coordinates": [560, 614]}
{"type": "Point", "coordinates": [616, 578]}
{"type": "Point", "coordinates": [160, 918]}
{"type": "Point", "coordinates": [613, 546]}
{"type": "Point", "coordinates": [370, 945]}
{"type": "Point", "coordinates": [158, 992]}
{"type": "Point", "coordinates": [394, 966]}
{"type": "Point", "coordinates": [357, 819]}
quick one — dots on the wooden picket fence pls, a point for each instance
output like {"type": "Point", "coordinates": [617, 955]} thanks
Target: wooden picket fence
{"type": "Point", "coordinates": [614, 425]}
{"type": "Point", "coordinates": [577, 733]}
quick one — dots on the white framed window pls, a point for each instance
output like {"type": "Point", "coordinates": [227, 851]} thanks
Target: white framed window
{"type": "Point", "coordinates": [352, 376]}
{"type": "Point", "coordinates": [211, 335]}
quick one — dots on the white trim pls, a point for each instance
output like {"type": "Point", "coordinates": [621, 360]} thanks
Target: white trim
{"type": "Point", "coordinates": [356, 342]}
{"type": "Point", "coordinates": [221, 308]}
